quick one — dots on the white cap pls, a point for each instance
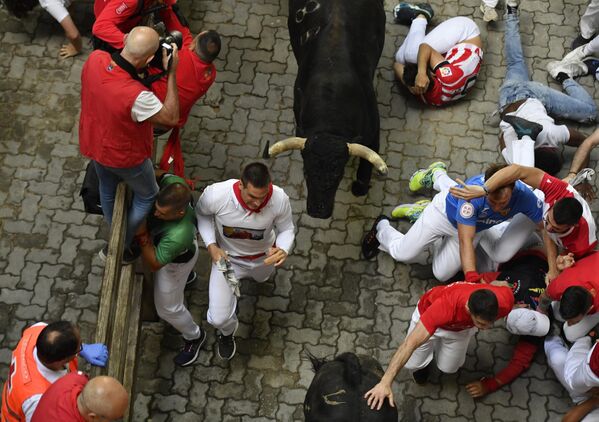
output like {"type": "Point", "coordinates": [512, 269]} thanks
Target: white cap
{"type": "Point", "coordinates": [526, 322]}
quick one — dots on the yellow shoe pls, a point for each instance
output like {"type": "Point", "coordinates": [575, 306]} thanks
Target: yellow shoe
{"type": "Point", "coordinates": [423, 178]}
{"type": "Point", "coordinates": [410, 211]}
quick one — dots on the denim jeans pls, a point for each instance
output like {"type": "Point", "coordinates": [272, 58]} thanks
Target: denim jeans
{"type": "Point", "coordinates": [576, 105]}
{"type": "Point", "coordinates": [142, 182]}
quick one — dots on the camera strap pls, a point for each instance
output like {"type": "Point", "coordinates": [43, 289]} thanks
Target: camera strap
{"type": "Point", "coordinates": [128, 67]}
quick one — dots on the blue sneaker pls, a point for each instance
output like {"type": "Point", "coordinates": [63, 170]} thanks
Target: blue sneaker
{"type": "Point", "coordinates": [405, 13]}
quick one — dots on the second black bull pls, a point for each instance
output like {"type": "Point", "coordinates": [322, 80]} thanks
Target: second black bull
{"type": "Point", "coordinates": [337, 45]}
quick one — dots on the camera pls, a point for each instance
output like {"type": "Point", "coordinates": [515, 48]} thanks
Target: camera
{"type": "Point", "coordinates": [173, 37]}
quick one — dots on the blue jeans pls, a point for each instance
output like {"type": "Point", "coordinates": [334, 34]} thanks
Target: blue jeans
{"type": "Point", "coordinates": [142, 182]}
{"type": "Point", "coordinates": [576, 105]}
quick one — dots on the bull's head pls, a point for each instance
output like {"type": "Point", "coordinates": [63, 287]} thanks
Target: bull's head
{"type": "Point", "coordinates": [324, 163]}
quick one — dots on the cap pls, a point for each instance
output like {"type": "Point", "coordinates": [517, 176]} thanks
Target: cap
{"type": "Point", "coordinates": [527, 322]}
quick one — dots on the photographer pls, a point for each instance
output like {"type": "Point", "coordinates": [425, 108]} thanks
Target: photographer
{"type": "Point", "coordinates": [117, 116]}
{"type": "Point", "coordinates": [115, 18]}
{"type": "Point", "coordinates": [195, 75]}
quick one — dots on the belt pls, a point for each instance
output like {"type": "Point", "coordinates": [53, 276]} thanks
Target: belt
{"type": "Point", "coordinates": [249, 257]}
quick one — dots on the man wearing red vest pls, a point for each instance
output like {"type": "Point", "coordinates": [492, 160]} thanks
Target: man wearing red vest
{"type": "Point", "coordinates": [75, 398]}
{"type": "Point", "coordinates": [115, 128]}
{"type": "Point", "coordinates": [45, 353]}
{"type": "Point", "coordinates": [195, 75]}
{"type": "Point", "coordinates": [115, 18]}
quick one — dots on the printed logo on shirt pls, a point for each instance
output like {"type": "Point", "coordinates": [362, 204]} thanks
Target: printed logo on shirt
{"type": "Point", "coordinates": [445, 71]}
{"type": "Point", "coordinates": [466, 210]}
{"type": "Point", "coordinates": [243, 233]}
{"type": "Point", "coordinates": [539, 203]}
{"type": "Point", "coordinates": [119, 10]}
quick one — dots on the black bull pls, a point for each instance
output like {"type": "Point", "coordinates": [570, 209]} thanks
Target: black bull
{"type": "Point", "coordinates": [336, 393]}
{"type": "Point", "coordinates": [337, 44]}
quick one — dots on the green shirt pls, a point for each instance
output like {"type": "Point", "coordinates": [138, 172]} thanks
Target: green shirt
{"type": "Point", "coordinates": [175, 237]}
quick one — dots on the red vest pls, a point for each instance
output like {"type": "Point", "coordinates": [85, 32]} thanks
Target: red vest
{"type": "Point", "coordinates": [24, 380]}
{"type": "Point", "coordinates": [107, 134]}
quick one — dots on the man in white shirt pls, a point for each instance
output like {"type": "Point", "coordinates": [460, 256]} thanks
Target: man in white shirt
{"type": "Point", "coordinates": [246, 224]}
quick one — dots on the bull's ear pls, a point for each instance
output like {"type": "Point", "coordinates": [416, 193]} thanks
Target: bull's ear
{"type": "Point", "coordinates": [265, 153]}
{"type": "Point", "coordinates": [317, 363]}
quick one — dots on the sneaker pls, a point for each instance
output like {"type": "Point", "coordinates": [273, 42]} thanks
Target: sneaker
{"type": "Point", "coordinates": [405, 13]}
{"type": "Point", "coordinates": [592, 65]}
{"type": "Point", "coordinates": [423, 178]}
{"type": "Point", "coordinates": [226, 345]}
{"type": "Point", "coordinates": [410, 211]}
{"type": "Point", "coordinates": [370, 244]}
{"type": "Point", "coordinates": [129, 255]}
{"type": "Point", "coordinates": [572, 69]}
{"type": "Point", "coordinates": [512, 3]}
{"type": "Point", "coordinates": [193, 276]}
{"type": "Point", "coordinates": [576, 55]}
{"type": "Point", "coordinates": [489, 13]}
{"type": "Point", "coordinates": [190, 351]}
{"type": "Point", "coordinates": [523, 127]}
{"type": "Point", "coordinates": [421, 376]}
{"type": "Point", "coordinates": [584, 175]}
{"type": "Point", "coordinates": [579, 41]}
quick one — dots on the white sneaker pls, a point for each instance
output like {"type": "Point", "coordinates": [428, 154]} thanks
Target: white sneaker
{"type": "Point", "coordinates": [512, 3]}
{"type": "Point", "coordinates": [572, 69]}
{"type": "Point", "coordinates": [576, 55]}
{"type": "Point", "coordinates": [489, 13]}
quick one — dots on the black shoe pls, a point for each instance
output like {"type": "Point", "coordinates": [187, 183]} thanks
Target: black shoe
{"type": "Point", "coordinates": [193, 276]}
{"type": "Point", "coordinates": [580, 40]}
{"type": "Point", "coordinates": [421, 376]}
{"type": "Point", "coordinates": [370, 244]}
{"type": "Point", "coordinates": [523, 127]}
{"type": "Point", "coordinates": [405, 13]}
{"type": "Point", "coordinates": [226, 345]}
{"type": "Point", "coordinates": [190, 351]}
{"type": "Point", "coordinates": [592, 65]}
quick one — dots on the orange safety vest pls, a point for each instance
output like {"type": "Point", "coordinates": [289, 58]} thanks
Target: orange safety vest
{"type": "Point", "coordinates": [24, 380]}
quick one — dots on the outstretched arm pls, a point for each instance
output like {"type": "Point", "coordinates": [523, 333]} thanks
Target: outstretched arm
{"type": "Point", "coordinates": [581, 157]}
{"type": "Point", "coordinates": [377, 395]}
{"type": "Point", "coordinates": [530, 175]}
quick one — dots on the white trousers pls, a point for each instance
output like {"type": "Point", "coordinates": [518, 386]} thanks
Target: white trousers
{"type": "Point", "coordinates": [447, 347]}
{"type": "Point", "coordinates": [519, 151]}
{"type": "Point", "coordinates": [442, 38]}
{"type": "Point", "coordinates": [589, 22]}
{"type": "Point", "coordinates": [169, 297]}
{"type": "Point", "coordinates": [222, 301]}
{"type": "Point", "coordinates": [565, 364]}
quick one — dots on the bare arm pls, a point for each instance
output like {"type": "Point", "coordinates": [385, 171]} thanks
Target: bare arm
{"type": "Point", "coordinates": [530, 175]}
{"type": "Point", "coordinates": [578, 412]}
{"type": "Point", "coordinates": [581, 157]}
{"type": "Point", "coordinates": [551, 252]}
{"type": "Point", "coordinates": [377, 395]}
{"type": "Point", "coordinates": [467, 256]}
{"type": "Point", "coordinates": [169, 113]}
{"type": "Point", "coordinates": [72, 33]}
{"type": "Point", "coordinates": [427, 57]}
{"type": "Point", "coordinates": [148, 252]}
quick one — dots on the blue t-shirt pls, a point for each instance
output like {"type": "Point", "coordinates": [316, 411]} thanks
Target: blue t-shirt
{"type": "Point", "coordinates": [479, 213]}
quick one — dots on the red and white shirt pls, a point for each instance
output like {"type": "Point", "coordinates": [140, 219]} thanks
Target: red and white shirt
{"type": "Point", "coordinates": [580, 239]}
{"type": "Point", "coordinates": [454, 76]}
{"type": "Point", "coordinates": [445, 306]}
{"type": "Point", "coordinates": [584, 273]}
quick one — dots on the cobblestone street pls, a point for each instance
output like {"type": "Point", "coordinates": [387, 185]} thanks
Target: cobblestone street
{"type": "Point", "coordinates": [325, 300]}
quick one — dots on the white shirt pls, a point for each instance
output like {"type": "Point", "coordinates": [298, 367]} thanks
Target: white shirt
{"type": "Point", "coordinates": [238, 231]}
{"type": "Point", "coordinates": [577, 372]}
{"type": "Point", "coordinates": [533, 110]}
{"type": "Point", "coordinates": [30, 404]}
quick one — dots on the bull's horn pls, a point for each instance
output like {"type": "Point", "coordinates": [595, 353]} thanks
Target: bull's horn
{"type": "Point", "coordinates": [286, 145]}
{"type": "Point", "coordinates": [366, 153]}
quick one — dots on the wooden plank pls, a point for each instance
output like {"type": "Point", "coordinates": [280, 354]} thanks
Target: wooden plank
{"type": "Point", "coordinates": [110, 279]}
{"type": "Point", "coordinates": [120, 323]}
{"type": "Point", "coordinates": [131, 358]}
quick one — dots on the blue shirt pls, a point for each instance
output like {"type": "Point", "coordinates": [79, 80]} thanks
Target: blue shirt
{"type": "Point", "coordinates": [478, 212]}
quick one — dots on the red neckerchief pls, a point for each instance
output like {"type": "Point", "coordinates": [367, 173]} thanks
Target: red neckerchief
{"type": "Point", "coordinates": [237, 191]}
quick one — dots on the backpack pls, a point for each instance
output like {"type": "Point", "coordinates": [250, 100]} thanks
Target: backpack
{"type": "Point", "coordinates": [90, 191]}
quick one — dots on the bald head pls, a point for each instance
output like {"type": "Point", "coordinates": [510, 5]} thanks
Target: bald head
{"type": "Point", "coordinates": [103, 397]}
{"type": "Point", "coordinates": [141, 43]}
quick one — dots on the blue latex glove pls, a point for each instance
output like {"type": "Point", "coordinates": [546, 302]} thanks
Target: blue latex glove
{"type": "Point", "coordinates": [96, 354]}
